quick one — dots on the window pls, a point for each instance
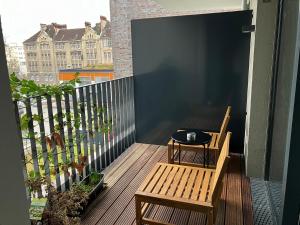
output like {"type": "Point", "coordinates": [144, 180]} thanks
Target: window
{"type": "Point", "coordinates": [44, 46]}
{"type": "Point", "coordinates": [90, 44]}
{"type": "Point", "coordinates": [33, 66]}
{"type": "Point", "coordinates": [107, 57]}
{"type": "Point", "coordinates": [76, 59]}
{"type": "Point", "coordinates": [59, 45]}
{"type": "Point", "coordinates": [76, 45]}
{"type": "Point", "coordinates": [61, 60]}
{"type": "Point", "coordinates": [107, 43]}
{"type": "Point", "coordinates": [30, 47]}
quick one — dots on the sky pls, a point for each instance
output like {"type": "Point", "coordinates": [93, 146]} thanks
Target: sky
{"type": "Point", "coordinates": [22, 18]}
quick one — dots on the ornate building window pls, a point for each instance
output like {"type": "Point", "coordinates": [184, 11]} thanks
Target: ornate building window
{"type": "Point", "coordinates": [107, 43]}
{"type": "Point", "coordinates": [90, 44]}
{"type": "Point", "coordinates": [76, 45]}
{"type": "Point", "coordinates": [44, 46]}
{"type": "Point", "coordinates": [59, 45]}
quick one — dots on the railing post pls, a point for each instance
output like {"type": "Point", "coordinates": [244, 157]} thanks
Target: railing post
{"type": "Point", "coordinates": [83, 126]}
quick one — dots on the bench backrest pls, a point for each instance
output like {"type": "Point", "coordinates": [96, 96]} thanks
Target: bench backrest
{"type": "Point", "coordinates": [221, 168]}
{"type": "Point", "coordinates": [223, 129]}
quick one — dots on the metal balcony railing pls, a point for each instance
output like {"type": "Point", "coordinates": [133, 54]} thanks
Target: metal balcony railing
{"type": "Point", "coordinates": [96, 122]}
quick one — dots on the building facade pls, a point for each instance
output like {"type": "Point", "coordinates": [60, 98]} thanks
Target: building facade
{"type": "Point", "coordinates": [16, 59]}
{"type": "Point", "coordinates": [55, 47]}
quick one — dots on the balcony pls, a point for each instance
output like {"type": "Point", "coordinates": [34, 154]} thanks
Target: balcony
{"type": "Point", "coordinates": [105, 133]}
{"type": "Point", "coordinates": [115, 128]}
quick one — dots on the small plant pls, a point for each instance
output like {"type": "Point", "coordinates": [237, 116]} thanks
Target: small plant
{"type": "Point", "coordinates": [95, 178]}
{"type": "Point", "coordinates": [64, 208]}
{"type": "Point", "coordinates": [35, 181]}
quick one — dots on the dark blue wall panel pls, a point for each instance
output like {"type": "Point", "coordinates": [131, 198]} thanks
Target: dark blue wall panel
{"type": "Point", "coordinates": [187, 69]}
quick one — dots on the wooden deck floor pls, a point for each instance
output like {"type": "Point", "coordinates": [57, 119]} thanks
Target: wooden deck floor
{"type": "Point", "coordinates": [115, 205]}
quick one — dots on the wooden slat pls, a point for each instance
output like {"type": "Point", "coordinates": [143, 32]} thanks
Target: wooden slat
{"type": "Point", "coordinates": [182, 184]}
{"type": "Point", "coordinates": [169, 181]}
{"type": "Point", "coordinates": [175, 182]}
{"type": "Point", "coordinates": [198, 185]}
{"type": "Point", "coordinates": [205, 186]}
{"type": "Point", "coordinates": [246, 197]}
{"type": "Point", "coordinates": [149, 177]}
{"type": "Point", "coordinates": [213, 140]}
{"type": "Point", "coordinates": [162, 180]}
{"type": "Point", "coordinates": [190, 184]}
{"type": "Point", "coordinates": [155, 178]}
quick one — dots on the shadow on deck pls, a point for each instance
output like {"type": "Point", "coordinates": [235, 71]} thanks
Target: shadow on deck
{"type": "Point", "coordinates": [116, 204]}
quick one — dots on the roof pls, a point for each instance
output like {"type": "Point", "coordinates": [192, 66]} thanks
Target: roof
{"type": "Point", "coordinates": [64, 34]}
{"type": "Point", "coordinates": [50, 30]}
{"type": "Point", "coordinates": [69, 34]}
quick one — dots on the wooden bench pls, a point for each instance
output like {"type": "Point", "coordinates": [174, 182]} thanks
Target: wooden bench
{"type": "Point", "coordinates": [184, 187]}
{"type": "Point", "coordinates": [215, 145]}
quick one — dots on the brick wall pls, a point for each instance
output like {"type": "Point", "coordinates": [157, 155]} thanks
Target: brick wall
{"type": "Point", "coordinates": [122, 12]}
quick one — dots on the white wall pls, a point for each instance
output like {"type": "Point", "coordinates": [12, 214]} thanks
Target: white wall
{"type": "Point", "coordinates": [215, 5]}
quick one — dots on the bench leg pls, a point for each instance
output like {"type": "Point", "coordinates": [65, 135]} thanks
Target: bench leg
{"type": "Point", "coordinates": [210, 218]}
{"type": "Point", "coordinates": [170, 153]}
{"type": "Point", "coordinates": [138, 211]}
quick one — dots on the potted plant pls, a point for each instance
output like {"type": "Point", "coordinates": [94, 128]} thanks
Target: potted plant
{"type": "Point", "coordinates": [95, 181]}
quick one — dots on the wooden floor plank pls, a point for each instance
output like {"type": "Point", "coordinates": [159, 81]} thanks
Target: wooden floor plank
{"type": "Point", "coordinates": [234, 198]}
{"type": "Point", "coordinates": [247, 197]}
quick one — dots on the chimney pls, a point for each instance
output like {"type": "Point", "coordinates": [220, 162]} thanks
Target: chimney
{"type": "Point", "coordinates": [43, 27]}
{"type": "Point", "coordinates": [58, 27]}
{"type": "Point", "coordinates": [87, 24]}
{"type": "Point", "coordinates": [103, 21]}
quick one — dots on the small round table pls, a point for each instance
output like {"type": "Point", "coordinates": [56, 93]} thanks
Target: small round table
{"type": "Point", "coordinates": [202, 138]}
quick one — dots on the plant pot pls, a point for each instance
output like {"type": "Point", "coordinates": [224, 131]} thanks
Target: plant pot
{"type": "Point", "coordinates": [97, 188]}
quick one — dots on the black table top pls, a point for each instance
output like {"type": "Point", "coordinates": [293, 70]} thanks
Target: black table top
{"type": "Point", "coordinates": [201, 137]}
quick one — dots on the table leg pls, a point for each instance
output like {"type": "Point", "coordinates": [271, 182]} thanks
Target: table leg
{"type": "Point", "coordinates": [173, 155]}
{"type": "Point", "coordinates": [179, 152]}
{"type": "Point", "coordinates": [204, 156]}
{"type": "Point", "coordinates": [207, 162]}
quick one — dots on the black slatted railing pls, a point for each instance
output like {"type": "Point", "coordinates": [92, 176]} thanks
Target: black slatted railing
{"type": "Point", "coordinates": [95, 122]}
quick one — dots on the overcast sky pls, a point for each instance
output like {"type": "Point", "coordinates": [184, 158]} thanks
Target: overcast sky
{"type": "Point", "coordinates": [21, 18]}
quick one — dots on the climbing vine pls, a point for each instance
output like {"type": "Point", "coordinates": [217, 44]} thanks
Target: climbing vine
{"type": "Point", "coordinates": [22, 88]}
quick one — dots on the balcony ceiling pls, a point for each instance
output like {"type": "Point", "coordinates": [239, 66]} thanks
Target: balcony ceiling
{"type": "Point", "coordinates": [202, 5]}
